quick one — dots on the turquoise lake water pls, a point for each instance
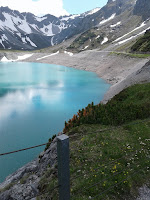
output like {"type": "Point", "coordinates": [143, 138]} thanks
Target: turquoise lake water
{"type": "Point", "coordinates": [35, 101]}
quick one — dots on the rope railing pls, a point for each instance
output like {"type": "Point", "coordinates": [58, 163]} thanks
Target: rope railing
{"type": "Point", "coordinates": [28, 148]}
{"type": "Point", "coordinates": [101, 130]}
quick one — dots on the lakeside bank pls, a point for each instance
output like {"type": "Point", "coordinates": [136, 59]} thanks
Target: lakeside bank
{"type": "Point", "coordinates": [117, 70]}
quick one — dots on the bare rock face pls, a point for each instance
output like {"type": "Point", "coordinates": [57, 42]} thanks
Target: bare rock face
{"type": "Point", "coordinates": [144, 193]}
{"type": "Point", "coordinates": [23, 184]}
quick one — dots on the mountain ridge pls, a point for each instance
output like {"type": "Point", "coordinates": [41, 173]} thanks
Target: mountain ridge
{"type": "Point", "coordinates": [25, 31]}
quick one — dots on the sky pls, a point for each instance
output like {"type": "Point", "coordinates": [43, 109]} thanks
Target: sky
{"type": "Point", "coordinates": [54, 7]}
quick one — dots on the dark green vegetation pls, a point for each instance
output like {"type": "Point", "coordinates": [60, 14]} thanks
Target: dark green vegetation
{"type": "Point", "coordinates": [142, 44]}
{"type": "Point", "coordinates": [112, 161]}
{"type": "Point", "coordinates": [131, 104]}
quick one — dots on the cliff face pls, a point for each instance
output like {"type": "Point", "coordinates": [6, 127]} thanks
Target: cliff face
{"type": "Point", "coordinates": [142, 8]}
{"type": "Point", "coordinates": [23, 184]}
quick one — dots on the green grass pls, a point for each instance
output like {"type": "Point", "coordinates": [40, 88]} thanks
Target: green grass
{"type": "Point", "coordinates": [116, 158]}
{"type": "Point", "coordinates": [132, 55]}
{"type": "Point", "coordinates": [109, 157]}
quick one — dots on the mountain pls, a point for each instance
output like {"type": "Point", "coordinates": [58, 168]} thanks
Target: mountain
{"type": "Point", "coordinates": [142, 8]}
{"type": "Point", "coordinates": [121, 22]}
{"type": "Point", "coordinates": [25, 31]}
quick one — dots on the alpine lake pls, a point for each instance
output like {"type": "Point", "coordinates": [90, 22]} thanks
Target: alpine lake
{"type": "Point", "coordinates": [35, 101]}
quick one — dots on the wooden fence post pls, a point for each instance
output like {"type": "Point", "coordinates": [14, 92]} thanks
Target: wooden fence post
{"type": "Point", "coordinates": [63, 167]}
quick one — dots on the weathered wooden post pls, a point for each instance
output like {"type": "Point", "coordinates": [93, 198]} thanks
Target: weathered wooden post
{"type": "Point", "coordinates": [63, 167]}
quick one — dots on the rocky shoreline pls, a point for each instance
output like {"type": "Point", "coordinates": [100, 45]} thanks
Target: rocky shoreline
{"type": "Point", "coordinates": [23, 184]}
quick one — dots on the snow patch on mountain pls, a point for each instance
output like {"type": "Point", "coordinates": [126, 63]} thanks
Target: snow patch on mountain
{"type": "Point", "coordinates": [4, 59]}
{"type": "Point", "coordinates": [40, 19]}
{"type": "Point", "coordinates": [142, 25]}
{"type": "Point", "coordinates": [24, 57]}
{"type": "Point", "coordinates": [106, 20]}
{"type": "Point", "coordinates": [47, 30]}
{"type": "Point", "coordinates": [53, 54]}
{"type": "Point", "coordinates": [92, 11]}
{"type": "Point", "coordinates": [2, 43]}
{"type": "Point", "coordinates": [104, 40]}
{"type": "Point", "coordinates": [2, 39]}
{"type": "Point", "coordinates": [32, 44]}
{"type": "Point", "coordinates": [24, 26]}
{"type": "Point", "coordinates": [62, 26]}
{"type": "Point", "coordinates": [66, 18]}
{"type": "Point", "coordinates": [24, 40]}
{"type": "Point", "coordinates": [114, 25]}
{"type": "Point", "coordinates": [85, 48]}
{"type": "Point", "coordinates": [69, 53]}
{"type": "Point", "coordinates": [134, 36]}
{"type": "Point", "coordinates": [8, 23]}
{"type": "Point", "coordinates": [97, 37]}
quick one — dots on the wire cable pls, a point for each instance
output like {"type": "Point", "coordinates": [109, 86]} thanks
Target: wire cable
{"type": "Point", "coordinates": [11, 152]}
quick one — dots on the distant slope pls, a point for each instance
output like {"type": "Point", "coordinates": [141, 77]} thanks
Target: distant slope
{"type": "Point", "coordinates": [142, 8]}
{"type": "Point", "coordinates": [129, 20]}
{"type": "Point", "coordinates": [142, 44]}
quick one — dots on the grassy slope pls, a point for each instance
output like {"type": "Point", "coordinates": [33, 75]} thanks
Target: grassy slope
{"type": "Point", "coordinates": [121, 155]}
{"type": "Point", "coordinates": [142, 44]}
{"type": "Point", "coordinates": [131, 104]}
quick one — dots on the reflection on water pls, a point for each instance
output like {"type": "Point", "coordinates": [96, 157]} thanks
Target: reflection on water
{"type": "Point", "coordinates": [35, 101]}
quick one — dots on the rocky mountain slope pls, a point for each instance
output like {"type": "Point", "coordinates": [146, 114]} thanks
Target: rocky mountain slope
{"type": "Point", "coordinates": [25, 31]}
{"type": "Point", "coordinates": [142, 44]}
{"type": "Point", "coordinates": [125, 24]}
{"type": "Point", "coordinates": [142, 8]}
